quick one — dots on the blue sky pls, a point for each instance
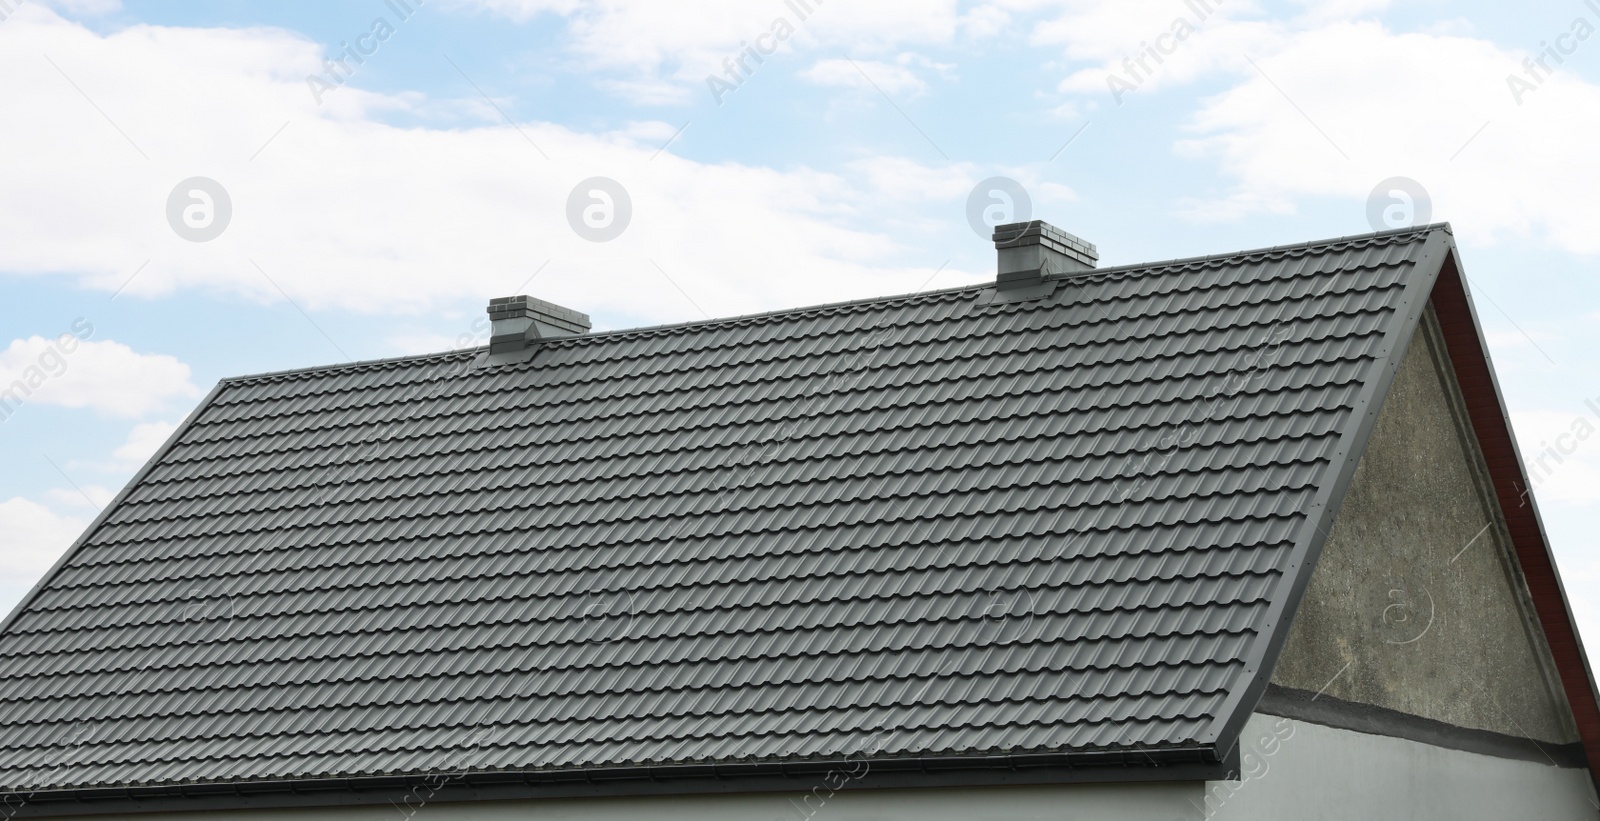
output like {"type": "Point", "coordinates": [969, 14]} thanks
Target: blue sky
{"type": "Point", "coordinates": [376, 216]}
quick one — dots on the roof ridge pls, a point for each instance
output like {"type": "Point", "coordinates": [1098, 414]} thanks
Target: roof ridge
{"type": "Point", "coordinates": [1414, 232]}
{"type": "Point", "coordinates": [611, 334]}
{"type": "Point", "coordinates": [1133, 268]}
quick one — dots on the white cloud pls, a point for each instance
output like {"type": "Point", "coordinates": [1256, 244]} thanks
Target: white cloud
{"type": "Point", "coordinates": [87, 8]}
{"type": "Point", "coordinates": [143, 442]}
{"type": "Point", "coordinates": [338, 207]}
{"type": "Point", "coordinates": [897, 78]}
{"type": "Point", "coordinates": [423, 342]}
{"type": "Point", "coordinates": [891, 78]}
{"type": "Point", "coordinates": [1512, 340]}
{"type": "Point", "coordinates": [106, 376]}
{"type": "Point", "coordinates": [1152, 43]}
{"type": "Point", "coordinates": [1585, 612]}
{"type": "Point", "coordinates": [1561, 454]}
{"type": "Point", "coordinates": [665, 51]}
{"type": "Point", "coordinates": [83, 498]}
{"type": "Point", "coordinates": [1328, 104]}
{"type": "Point", "coordinates": [1409, 105]}
{"type": "Point", "coordinates": [1342, 9]}
{"type": "Point", "coordinates": [1235, 206]}
{"type": "Point", "coordinates": [986, 20]}
{"type": "Point", "coordinates": [1049, 192]}
{"type": "Point", "coordinates": [32, 537]}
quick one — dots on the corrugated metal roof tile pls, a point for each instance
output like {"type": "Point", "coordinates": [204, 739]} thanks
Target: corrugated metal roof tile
{"type": "Point", "coordinates": [922, 523]}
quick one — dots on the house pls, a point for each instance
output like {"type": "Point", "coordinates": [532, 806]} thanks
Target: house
{"type": "Point", "coordinates": [1231, 537]}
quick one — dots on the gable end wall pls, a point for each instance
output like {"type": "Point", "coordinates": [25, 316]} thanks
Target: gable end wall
{"type": "Point", "coordinates": [1417, 604]}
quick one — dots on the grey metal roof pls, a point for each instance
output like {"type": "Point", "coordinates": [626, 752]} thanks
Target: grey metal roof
{"type": "Point", "coordinates": [920, 526]}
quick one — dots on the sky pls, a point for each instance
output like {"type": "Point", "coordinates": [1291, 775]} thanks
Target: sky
{"type": "Point", "coordinates": [195, 191]}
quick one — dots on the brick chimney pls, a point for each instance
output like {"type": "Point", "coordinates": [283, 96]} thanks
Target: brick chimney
{"type": "Point", "coordinates": [1029, 250]}
{"type": "Point", "coordinates": [518, 321]}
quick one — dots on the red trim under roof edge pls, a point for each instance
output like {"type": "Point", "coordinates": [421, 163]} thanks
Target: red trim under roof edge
{"type": "Point", "coordinates": [1469, 356]}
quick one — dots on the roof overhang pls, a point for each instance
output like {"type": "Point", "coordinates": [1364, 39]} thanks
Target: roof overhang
{"type": "Point", "coordinates": [1486, 408]}
{"type": "Point", "coordinates": [1112, 766]}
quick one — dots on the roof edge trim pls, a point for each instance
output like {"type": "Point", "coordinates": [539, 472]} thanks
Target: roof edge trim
{"type": "Point", "coordinates": [114, 504]}
{"type": "Point", "coordinates": [1516, 507]}
{"type": "Point", "coordinates": [1193, 763]}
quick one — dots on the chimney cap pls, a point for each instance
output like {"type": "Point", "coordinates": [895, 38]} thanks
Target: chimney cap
{"type": "Point", "coordinates": [517, 321]}
{"type": "Point", "coordinates": [514, 304]}
{"type": "Point", "coordinates": [1029, 250]}
{"type": "Point", "coordinates": [1039, 232]}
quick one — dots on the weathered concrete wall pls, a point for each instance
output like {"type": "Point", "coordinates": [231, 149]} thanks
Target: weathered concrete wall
{"type": "Point", "coordinates": [1417, 604]}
